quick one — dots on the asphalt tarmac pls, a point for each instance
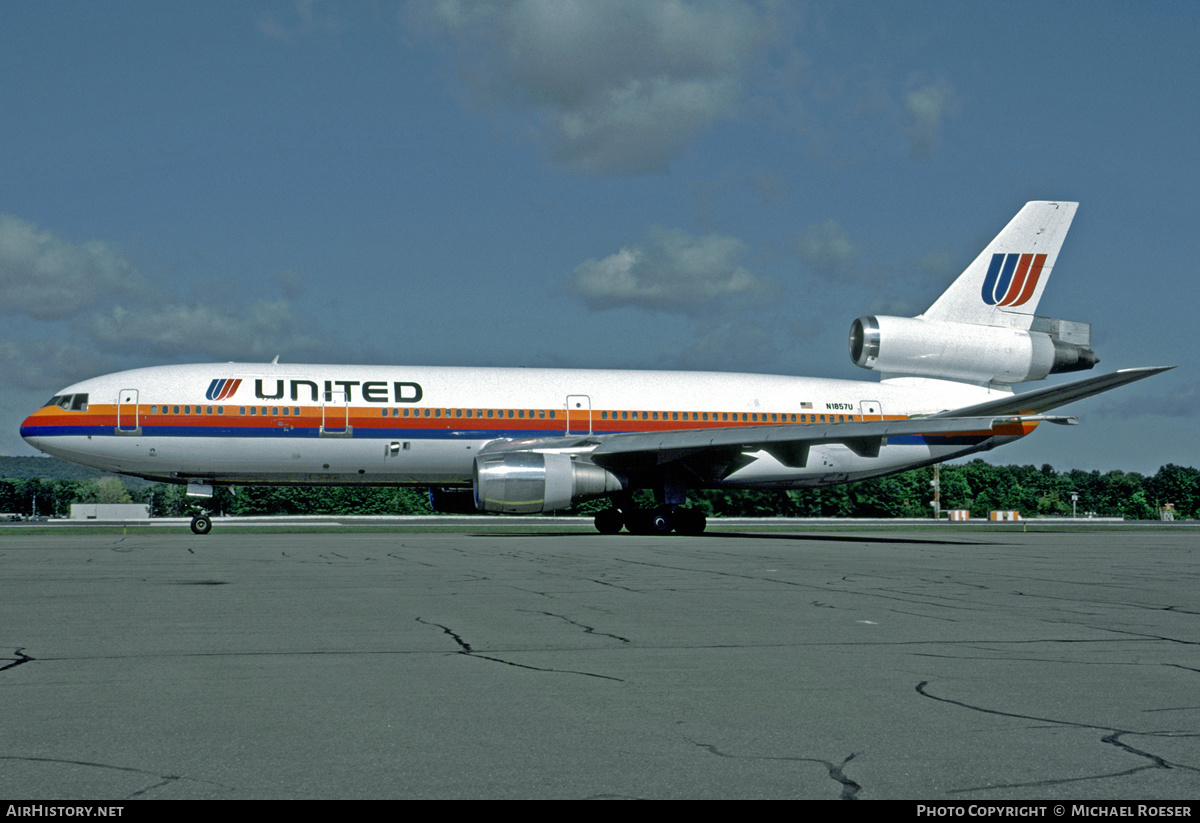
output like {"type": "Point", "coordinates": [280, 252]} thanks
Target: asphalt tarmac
{"type": "Point", "coordinates": [934, 664]}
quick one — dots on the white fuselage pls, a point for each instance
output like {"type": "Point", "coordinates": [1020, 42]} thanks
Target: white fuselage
{"type": "Point", "coordinates": [319, 424]}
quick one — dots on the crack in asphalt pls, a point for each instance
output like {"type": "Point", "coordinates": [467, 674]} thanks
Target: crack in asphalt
{"type": "Point", "coordinates": [20, 658]}
{"type": "Point", "coordinates": [1112, 739]}
{"type": "Point", "coordinates": [850, 788]}
{"type": "Point", "coordinates": [465, 648]}
{"type": "Point", "coordinates": [163, 779]}
{"type": "Point", "coordinates": [586, 629]}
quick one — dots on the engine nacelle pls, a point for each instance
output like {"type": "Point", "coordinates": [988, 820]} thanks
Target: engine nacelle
{"type": "Point", "coordinates": [519, 482]}
{"type": "Point", "coordinates": [969, 352]}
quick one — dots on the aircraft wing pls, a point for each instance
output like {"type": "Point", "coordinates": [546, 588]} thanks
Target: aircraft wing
{"type": "Point", "coordinates": [1051, 397]}
{"type": "Point", "coordinates": [713, 454]}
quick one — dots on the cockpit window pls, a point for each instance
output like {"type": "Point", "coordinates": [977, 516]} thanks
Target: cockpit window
{"type": "Point", "coordinates": [70, 402]}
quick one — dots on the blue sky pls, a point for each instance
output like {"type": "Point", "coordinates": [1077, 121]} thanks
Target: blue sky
{"type": "Point", "coordinates": [611, 184]}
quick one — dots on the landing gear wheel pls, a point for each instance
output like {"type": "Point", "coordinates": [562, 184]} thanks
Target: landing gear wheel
{"type": "Point", "coordinates": [690, 522]}
{"type": "Point", "coordinates": [658, 521]}
{"type": "Point", "coordinates": [201, 524]}
{"type": "Point", "coordinates": [609, 521]}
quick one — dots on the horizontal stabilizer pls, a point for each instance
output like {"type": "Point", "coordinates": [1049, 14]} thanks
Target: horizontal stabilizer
{"type": "Point", "coordinates": [1051, 397]}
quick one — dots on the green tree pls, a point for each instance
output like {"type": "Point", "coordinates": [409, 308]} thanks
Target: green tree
{"type": "Point", "coordinates": [104, 490]}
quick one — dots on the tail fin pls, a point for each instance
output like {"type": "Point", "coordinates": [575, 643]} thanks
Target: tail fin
{"type": "Point", "coordinates": [983, 329]}
{"type": "Point", "coordinates": [1003, 285]}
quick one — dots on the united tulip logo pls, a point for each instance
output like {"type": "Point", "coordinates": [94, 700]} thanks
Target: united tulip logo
{"type": "Point", "coordinates": [1012, 279]}
{"type": "Point", "coordinates": [222, 388]}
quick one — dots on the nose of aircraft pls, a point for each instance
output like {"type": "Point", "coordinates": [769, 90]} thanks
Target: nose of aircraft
{"type": "Point", "coordinates": [31, 431]}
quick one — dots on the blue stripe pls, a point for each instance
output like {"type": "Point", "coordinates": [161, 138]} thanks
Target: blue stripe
{"type": "Point", "coordinates": [938, 439]}
{"type": "Point", "coordinates": [989, 282]}
{"type": "Point", "coordinates": [281, 432]}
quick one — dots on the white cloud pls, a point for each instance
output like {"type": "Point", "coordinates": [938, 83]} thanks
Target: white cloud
{"type": "Point", "coordinates": [830, 254]}
{"type": "Point", "coordinates": [84, 308]}
{"type": "Point", "coordinates": [926, 106]}
{"type": "Point", "coordinates": [47, 365]}
{"type": "Point", "coordinates": [672, 271]}
{"type": "Point", "coordinates": [828, 249]}
{"type": "Point", "coordinates": [729, 344]}
{"type": "Point", "coordinates": [254, 330]}
{"type": "Point", "coordinates": [46, 277]}
{"type": "Point", "coordinates": [614, 88]}
{"type": "Point", "coordinates": [305, 22]}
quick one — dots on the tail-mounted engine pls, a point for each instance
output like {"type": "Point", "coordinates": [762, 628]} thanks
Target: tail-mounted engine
{"type": "Point", "coordinates": [518, 482]}
{"type": "Point", "coordinates": [974, 353]}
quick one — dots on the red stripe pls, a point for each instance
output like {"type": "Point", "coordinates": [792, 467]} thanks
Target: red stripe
{"type": "Point", "coordinates": [1014, 287]}
{"type": "Point", "coordinates": [1031, 283]}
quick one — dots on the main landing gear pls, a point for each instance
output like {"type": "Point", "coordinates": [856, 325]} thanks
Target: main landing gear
{"type": "Point", "coordinates": [201, 524]}
{"type": "Point", "coordinates": [659, 520]}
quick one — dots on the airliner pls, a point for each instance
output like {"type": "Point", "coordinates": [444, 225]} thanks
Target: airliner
{"type": "Point", "coordinates": [540, 440]}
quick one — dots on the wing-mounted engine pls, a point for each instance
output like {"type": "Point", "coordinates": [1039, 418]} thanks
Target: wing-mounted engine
{"type": "Point", "coordinates": [528, 481]}
{"type": "Point", "coordinates": [915, 346]}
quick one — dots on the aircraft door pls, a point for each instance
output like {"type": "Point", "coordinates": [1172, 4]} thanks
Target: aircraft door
{"type": "Point", "coordinates": [335, 415]}
{"type": "Point", "coordinates": [870, 410]}
{"type": "Point", "coordinates": [127, 412]}
{"type": "Point", "coordinates": [579, 414]}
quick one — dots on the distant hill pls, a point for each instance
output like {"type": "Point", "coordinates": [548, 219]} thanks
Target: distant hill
{"type": "Point", "coordinates": [51, 468]}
